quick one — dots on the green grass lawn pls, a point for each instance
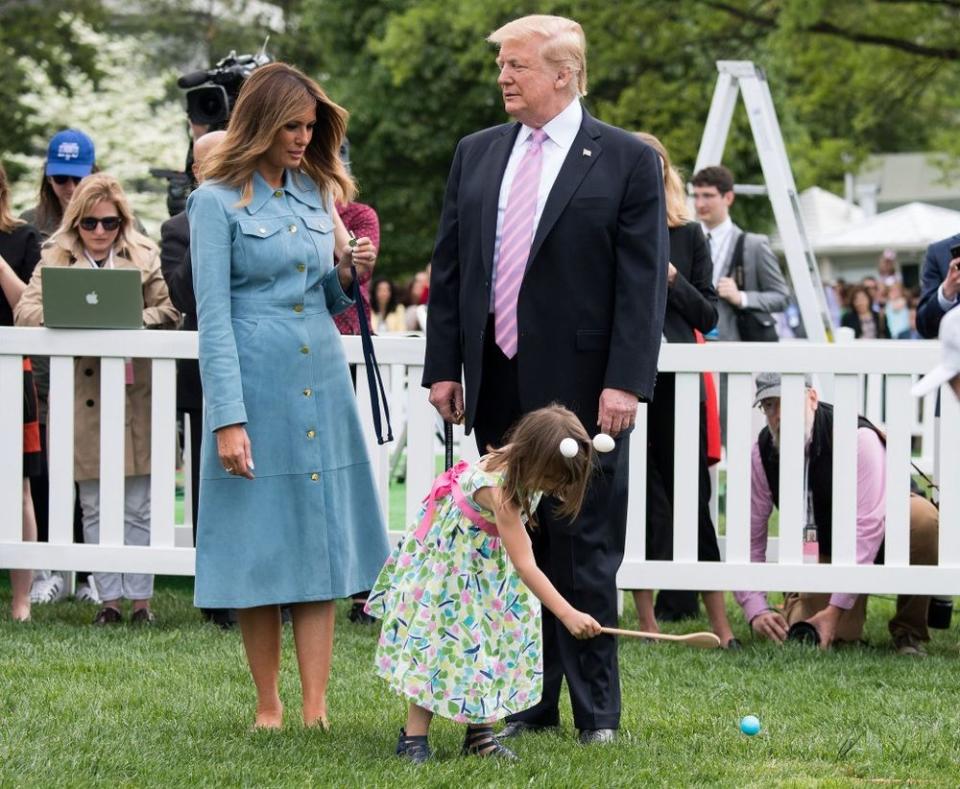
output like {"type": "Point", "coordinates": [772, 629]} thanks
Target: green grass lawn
{"type": "Point", "coordinates": [172, 706]}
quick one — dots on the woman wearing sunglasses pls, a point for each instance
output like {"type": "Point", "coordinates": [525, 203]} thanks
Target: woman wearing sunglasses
{"type": "Point", "coordinates": [71, 157]}
{"type": "Point", "coordinates": [98, 232]}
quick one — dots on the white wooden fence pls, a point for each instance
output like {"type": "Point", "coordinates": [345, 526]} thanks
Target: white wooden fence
{"type": "Point", "coordinates": [841, 369]}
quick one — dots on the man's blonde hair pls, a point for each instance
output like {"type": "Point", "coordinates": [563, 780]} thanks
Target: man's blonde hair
{"type": "Point", "coordinates": [564, 44]}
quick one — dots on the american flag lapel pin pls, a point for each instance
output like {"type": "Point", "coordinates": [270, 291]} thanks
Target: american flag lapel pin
{"type": "Point", "coordinates": [587, 152]}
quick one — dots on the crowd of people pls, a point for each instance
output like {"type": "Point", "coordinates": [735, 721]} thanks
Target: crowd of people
{"type": "Point", "coordinates": [878, 307]}
{"type": "Point", "coordinates": [263, 264]}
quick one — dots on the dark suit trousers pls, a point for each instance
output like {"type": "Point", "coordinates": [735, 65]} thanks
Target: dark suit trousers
{"type": "Point", "coordinates": [196, 436]}
{"type": "Point", "coordinates": [581, 559]}
{"type": "Point", "coordinates": [40, 493]}
{"type": "Point", "coordinates": [660, 487]}
{"type": "Point", "coordinates": [674, 604]}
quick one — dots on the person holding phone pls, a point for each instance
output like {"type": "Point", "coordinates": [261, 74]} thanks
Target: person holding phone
{"type": "Point", "coordinates": [940, 285]}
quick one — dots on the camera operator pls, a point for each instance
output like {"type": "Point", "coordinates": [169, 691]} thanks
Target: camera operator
{"type": "Point", "coordinates": [211, 94]}
{"type": "Point", "coordinates": [178, 272]}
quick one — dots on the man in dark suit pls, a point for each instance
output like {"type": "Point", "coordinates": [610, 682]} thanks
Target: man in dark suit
{"type": "Point", "coordinates": [549, 284]}
{"type": "Point", "coordinates": [178, 272]}
{"type": "Point", "coordinates": [940, 286]}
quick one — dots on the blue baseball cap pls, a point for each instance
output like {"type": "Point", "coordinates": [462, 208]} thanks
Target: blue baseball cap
{"type": "Point", "coordinates": [70, 152]}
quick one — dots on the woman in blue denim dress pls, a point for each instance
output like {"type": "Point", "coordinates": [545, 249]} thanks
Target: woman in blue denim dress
{"type": "Point", "coordinates": [288, 509]}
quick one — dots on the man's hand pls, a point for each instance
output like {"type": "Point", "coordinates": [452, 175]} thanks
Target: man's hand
{"type": "Point", "coordinates": [951, 283]}
{"type": "Point", "coordinates": [728, 291]}
{"type": "Point", "coordinates": [671, 274]}
{"type": "Point", "coordinates": [618, 411]}
{"type": "Point", "coordinates": [447, 398]}
{"type": "Point", "coordinates": [826, 623]}
{"type": "Point", "coordinates": [770, 624]}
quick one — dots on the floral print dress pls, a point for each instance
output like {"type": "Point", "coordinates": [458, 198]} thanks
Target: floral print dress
{"type": "Point", "coordinates": [461, 632]}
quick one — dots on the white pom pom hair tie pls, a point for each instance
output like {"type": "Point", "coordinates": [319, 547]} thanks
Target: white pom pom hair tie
{"type": "Point", "coordinates": [569, 447]}
{"type": "Point", "coordinates": [603, 443]}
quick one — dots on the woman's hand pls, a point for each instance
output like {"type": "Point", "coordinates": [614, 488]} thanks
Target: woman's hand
{"type": "Point", "coordinates": [581, 625]}
{"type": "Point", "coordinates": [233, 447]}
{"type": "Point", "coordinates": [362, 254]}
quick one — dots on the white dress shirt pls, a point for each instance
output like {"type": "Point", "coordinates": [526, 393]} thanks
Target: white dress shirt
{"type": "Point", "coordinates": [560, 131]}
{"type": "Point", "coordinates": [720, 242]}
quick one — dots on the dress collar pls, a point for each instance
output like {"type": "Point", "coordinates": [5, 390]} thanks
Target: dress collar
{"type": "Point", "coordinates": [295, 184]}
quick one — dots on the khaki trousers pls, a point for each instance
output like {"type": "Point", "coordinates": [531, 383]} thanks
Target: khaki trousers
{"type": "Point", "coordinates": [910, 618]}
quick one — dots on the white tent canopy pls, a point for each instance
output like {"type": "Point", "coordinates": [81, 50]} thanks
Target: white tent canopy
{"type": "Point", "coordinates": [823, 214]}
{"type": "Point", "coordinates": [910, 228]}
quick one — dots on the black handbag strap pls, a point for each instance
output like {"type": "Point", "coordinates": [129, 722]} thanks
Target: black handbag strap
{"type": "Point", "coordinates": [736, 262]}
{"type": "Point", "coordinates": [374, 380]}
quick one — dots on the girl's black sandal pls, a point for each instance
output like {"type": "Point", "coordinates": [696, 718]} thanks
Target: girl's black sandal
{"type": "Point", "coordinates": [481, 741]}
{"type": "Point", "coordinates": [413, 748]}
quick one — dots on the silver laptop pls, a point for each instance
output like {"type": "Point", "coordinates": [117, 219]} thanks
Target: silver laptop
{"type": "Point", "coordinates": [86, 298]}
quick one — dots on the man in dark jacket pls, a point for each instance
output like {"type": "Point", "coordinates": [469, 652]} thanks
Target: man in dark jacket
{"type": "Point", "coordinates": [940, 285]}
{"type": "Point", "coordinates": [178, 273]}
{"type": "Point", "coordinates": [549, 283]}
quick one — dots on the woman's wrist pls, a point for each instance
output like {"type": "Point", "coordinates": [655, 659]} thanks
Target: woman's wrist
{"type": "Point", "coordinates": [345, 275]}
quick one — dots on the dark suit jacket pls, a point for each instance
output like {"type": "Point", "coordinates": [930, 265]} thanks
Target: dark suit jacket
{"type": "Point", "coordinates": [20, 247]}
{"type": "Point", "coordinates": [590, 309]}
{"type": "Point", "coordinates": [692, 301]}
{"type": "Point", "coordinates": [934, 273]}
{"type": "Point", "coordinates": [178, 273]}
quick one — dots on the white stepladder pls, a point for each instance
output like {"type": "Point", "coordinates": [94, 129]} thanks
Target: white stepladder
{"type": "Point", "coordinates": [743, 76]}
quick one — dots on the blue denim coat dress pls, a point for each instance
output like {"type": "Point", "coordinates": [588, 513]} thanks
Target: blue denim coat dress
{"type": "Point", "coordinates": [309, 527]}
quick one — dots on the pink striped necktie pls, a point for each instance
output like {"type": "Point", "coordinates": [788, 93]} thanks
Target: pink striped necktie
{"type": "Point", "coordinates": [515, 239]}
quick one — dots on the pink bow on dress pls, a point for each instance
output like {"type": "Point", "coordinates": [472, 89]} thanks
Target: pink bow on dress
{"type": "Point", "coordinates": [442, 486]}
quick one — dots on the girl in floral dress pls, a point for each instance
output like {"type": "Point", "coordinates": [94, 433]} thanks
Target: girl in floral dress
{"type": "Point", "coordinates": [460, 595]}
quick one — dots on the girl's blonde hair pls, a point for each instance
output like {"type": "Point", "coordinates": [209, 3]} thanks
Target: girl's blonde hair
{"type": "Point", "coordinates": [270, 98]}
{"type": "Point", "coordinates": [130, 243]}
{"type": "Point", "coordinates": [678, 212]}
{"type": "Point", "coordinates": [7, 220]}
{"type": "Point", "coordinates": [532, 461]}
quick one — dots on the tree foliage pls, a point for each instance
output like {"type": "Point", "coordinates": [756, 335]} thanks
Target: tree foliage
{"type": "Point", "coordinates": [39, 37]}
{"type": "Point", "coordinates": [848, 77]}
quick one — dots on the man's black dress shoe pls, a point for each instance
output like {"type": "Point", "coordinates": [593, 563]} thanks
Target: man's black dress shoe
{"type": "Point", "coordinates": [516, 728]}
{"type": "Point", "coordinates": [596, 736]}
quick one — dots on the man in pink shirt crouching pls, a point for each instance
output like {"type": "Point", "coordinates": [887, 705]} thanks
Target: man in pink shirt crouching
{"type": "Point", "coordinates": [837, 617]}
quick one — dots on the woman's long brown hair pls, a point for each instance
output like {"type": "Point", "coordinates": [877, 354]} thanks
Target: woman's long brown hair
{"type": "Point", "coordinates": [270, 98]}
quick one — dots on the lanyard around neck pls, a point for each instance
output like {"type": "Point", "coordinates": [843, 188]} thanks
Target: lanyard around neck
{"type": "Point", "coordinates": [93, 263]}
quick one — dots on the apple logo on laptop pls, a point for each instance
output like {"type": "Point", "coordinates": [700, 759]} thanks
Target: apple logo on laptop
{"type": "Point", "coordinates": [92, 297]}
